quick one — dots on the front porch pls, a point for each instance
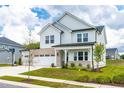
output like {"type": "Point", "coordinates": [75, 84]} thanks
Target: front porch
{"type": "Point", "coordinates": [79, 55]}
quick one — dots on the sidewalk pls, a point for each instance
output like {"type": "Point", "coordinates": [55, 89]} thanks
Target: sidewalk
{"type": "Point", "coordinates": [22, 84]}
{"type": "Point", "coordinates": [69, 82]}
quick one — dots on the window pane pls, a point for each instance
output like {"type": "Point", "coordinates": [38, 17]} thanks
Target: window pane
{"type": "Point", "coordinates": [52, 39]}
{"type": "Point", "coordinates": [80, 55]}
{"type": "Point", "coordinates": [75, 56]}
{"type": "Point", "coordinates": [86, 55]}
{"type": "Point", "coordinates": [85, 37]}
{"type": "Point", "coordinates": [46, 39]}
{"type": "Point", "coordinates": [79, 37]}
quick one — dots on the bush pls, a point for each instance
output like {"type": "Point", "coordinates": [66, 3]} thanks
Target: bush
{"type": "Point", "coordinates": [84, 78]}
{"type": "Point", "coordinates": [64, 65]}
{"type": "Point", "coordinates": [119, 79]}
{"type": "Point", "coordinates": [20, 61]}
{"type": "Point", "coordinates": [80, 65]}
{"type": "Point", "coordinates": [88, 66]}
{"type": "Point", "coordinates": [72, 65]}
{"type": "Point", "coordinates": [52, 65]}
{"type": "Point", "coordinates": [103, 79]}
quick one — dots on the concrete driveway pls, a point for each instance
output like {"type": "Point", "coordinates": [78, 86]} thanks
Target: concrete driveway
{"type": "Point", "coordinates": [15, 70]}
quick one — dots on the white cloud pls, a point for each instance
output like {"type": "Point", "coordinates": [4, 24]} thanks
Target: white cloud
{"type": "Point", "coordinates": [16, 19]}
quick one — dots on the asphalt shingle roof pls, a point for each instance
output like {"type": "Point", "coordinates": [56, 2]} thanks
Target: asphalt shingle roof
{"type": "Point", "coordinates": [6, 41]}
{"type": "Point", "coordinates": [75, 44]}
{"type": "Point", "coordinates": [111, 49]}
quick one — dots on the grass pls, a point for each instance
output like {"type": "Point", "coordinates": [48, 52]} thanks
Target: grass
{"type": "Point", "coordinates": [40, 82]}
{"type": "Point", "coordinates": [114, 67]}
{"type": "Point", "coordinates": [4, 65]}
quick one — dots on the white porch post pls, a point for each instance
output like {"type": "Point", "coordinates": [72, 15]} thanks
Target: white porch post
{"type": "Point", "coordinates": [55, 57]}
{"type": "Point", "coordinates": [65, 56]}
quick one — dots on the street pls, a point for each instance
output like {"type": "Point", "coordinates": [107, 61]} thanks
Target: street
{"type": "Point", "coordinates": [5, 85]}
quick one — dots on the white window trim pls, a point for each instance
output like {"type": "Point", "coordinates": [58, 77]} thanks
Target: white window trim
{"type": "Point", "coordinates": [83, 56]}
{"type": "Point", "coordinates": [50, 39]}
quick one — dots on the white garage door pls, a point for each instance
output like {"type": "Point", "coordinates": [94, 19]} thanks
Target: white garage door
{"type": "Point", "coordinates": [44, 61]}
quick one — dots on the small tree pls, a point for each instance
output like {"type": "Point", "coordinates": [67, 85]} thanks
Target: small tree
{"type": "Point", "coordinates": [98, 53]}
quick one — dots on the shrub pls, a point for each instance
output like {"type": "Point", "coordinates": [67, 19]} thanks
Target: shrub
{"type": "Point", "coordinates": [64, 65]}
{"type": "Point", "coordinates": [20, 62]}
{"type": "Point", "coordinates": [80, 65]}
{"type": "Point", "coordinates": [52, 65]}
{"type": "Point", "coordinates": [72, 65]}
{"type": "Point", "coordinates": [84, 78]}
{"type": "Point", "coordinates": [88, 66]}
{"type": "Point", "coordinates": [119, 79]}
{"type": "Point", "coordinates": [103, 79]}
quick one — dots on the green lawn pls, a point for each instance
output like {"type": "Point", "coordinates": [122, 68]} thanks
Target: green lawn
{"type": "Point", "coordinates": [40, 82]}
{"type": "Point", "coordinates": [4, 65]}
{"type": "Point", "coordinates": [113, 68]}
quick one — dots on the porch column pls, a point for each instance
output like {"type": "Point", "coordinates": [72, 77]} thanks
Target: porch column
{"type": "Point", "coordinates": [55, 56]}
{"type": "Point", "coordinates": [65, 56]}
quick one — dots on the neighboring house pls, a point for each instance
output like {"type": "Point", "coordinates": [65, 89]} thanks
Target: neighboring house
{"type": "Point", "coordinates": [9, 51]}
{"type": "Point", "coordinates": [69, 40]}
{"type": "Point", "coordinates": [112, 53]}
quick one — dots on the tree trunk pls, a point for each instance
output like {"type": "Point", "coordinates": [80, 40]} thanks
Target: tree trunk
{"type": "Point", "coordinates": [97, 69]}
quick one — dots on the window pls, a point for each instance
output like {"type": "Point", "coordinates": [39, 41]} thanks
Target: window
{"type": "Point", "coordinates": [47, 39]}
{"type": "Point", "coordinates": [36, 55]}
{"type": "Point", "coordinates": [47, 55]}
{"type": "Point", "coordinates": [41, 55]}
{"type": "Point", "coordinates": [79, 37]}
{"type": "Point", "coordinates": [85, 37]}
{"type": "Point", "coordinates": [26, 55]}
{"type": "Point", "coordinates": [80, 55]}
{"type": "Point", "coordinates": [75, 56]}
{"type": "Point", "coordinates": [52, 39]}
{"type": "Point", "coordinates": [86, 56]}
{"type": "Point", "coordinates": [52, 55]}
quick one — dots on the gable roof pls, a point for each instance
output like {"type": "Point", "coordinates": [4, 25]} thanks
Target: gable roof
{"type": "Point", "coordinates": [97, 28]}
{"type": "Point", "coordinates": [111, 49]}
{"type": "Point", "coordinates": [61, 26]}
{"type": "Point", "coordinates": [45, 27]}
{"type": "Point", "coordinates": [6, 41]}
{"type": "Point", "coordinates": [75, 17]}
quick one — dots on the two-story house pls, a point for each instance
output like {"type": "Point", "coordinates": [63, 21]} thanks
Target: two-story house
{"type": "Point", "coordinates": [112, 53]}
{"type": "Point", "coordinates": [69, 40]}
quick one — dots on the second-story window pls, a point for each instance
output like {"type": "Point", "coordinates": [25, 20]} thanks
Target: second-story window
{"type": "Point", "coordinates": [79, 37]}
{"type": "Point", "coordinates": [47, 39]}
{"type": "Point", "coordinates": [85, 37]}
{"type": "Point", "coordinates": [52, 39]}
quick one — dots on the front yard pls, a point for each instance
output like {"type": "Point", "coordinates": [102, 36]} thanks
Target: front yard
{"type": "Point", "coordinates": [4, 65]}
{"type": "Point", "coordinates": [106, 75]}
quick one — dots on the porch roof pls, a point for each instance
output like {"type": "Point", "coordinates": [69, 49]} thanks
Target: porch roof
{"type": "Point", "coordinates": [75, 44]}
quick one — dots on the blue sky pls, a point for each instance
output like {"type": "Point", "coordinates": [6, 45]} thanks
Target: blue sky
{"type": "Point", "coordinates": [17, 21]}
{"type": "Point", "coordinates": [120, 7]}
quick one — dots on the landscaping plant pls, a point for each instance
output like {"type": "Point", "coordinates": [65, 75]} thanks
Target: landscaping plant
{"type": "Point", "coordinates": [98, 54]}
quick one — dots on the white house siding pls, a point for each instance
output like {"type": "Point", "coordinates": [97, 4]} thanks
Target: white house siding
{"type": "Point", "coordinates": [49, 31]}
{"type": "Point", "coordinates": [72, 23]}
{"type": "Point", "coordinates": [66, 38]}
{"type": "Point", "coordinates": [101, 39]}
{"type": "Point", "coordinates": [91, 36]}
